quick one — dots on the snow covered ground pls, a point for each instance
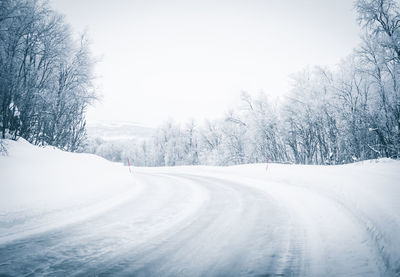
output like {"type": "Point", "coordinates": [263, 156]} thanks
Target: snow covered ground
{"type": "Point", "coordinates": [77, 214]}
{"type": "Point", "coordinates": [41, 188]}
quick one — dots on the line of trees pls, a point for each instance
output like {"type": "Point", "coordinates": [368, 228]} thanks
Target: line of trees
{"type": "Point", "coordinates": [45, 76]}
{"type": "Point", "coordinates": [331, 116]}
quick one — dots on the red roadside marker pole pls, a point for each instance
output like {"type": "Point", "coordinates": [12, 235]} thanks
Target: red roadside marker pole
{"type": "Point", "coordinates": [129, 165]}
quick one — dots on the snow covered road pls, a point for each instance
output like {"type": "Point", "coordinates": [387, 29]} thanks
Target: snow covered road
{"type": "Point", "coordinates": [178, 225]}
{"type": "Point", "coordinates": [65, 214]}
{"type": "Point", "coordinates": [196, 222]}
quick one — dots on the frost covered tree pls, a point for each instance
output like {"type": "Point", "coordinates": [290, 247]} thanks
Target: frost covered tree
{"type": "Point", "coordinates": [190, 143]}
{"type": "Point", "coordinates": [381, 21]}
{"type": "Point", "coordinates": [234, 140]}
{"type": "Point", "coordinates": [380, 56]}
{"type": "Point", "coordinates": [304, 117]}
{"type": "Point", "coordinates": [263, 129]}
{"type": "Point", "coordinates": [210, 143]}
{"type": "Point", "coordinates": [45, 76]}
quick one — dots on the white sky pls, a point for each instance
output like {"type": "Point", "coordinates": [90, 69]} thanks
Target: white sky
{"type": "Point", "coordinates": [190, 59]}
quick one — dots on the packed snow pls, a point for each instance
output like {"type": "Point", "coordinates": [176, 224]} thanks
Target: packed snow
{"type": "Point", "coordinates": [77, 214]}
{"type": "Point", "coordinates": [45, 187]}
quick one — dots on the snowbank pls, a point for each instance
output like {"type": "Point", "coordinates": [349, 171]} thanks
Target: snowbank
{"type": "Point", "coordinates": [43, 188]}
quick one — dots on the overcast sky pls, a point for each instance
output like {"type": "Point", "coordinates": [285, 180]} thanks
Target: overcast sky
{"type": "Point", "coordinates": [191, 59]}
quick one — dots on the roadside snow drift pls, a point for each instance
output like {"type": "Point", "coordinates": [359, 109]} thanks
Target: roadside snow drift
{"type": "Point", "coordinates": [77, 214]}
{"type": "Point", "coordinates": [41, 188]}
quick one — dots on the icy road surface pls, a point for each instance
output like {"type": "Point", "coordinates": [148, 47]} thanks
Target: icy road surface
{"type": "Point", "coordinates": [209, 222]}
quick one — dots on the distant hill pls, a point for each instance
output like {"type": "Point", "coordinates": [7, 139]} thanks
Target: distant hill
{"type": "Point", "coordinates": [118, 130]}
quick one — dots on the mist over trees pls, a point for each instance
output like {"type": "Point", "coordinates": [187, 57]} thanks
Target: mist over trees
{"type": "Point", "coordinates": [45, 76]}
{"type": "Point", "coordinates": [331, 115]}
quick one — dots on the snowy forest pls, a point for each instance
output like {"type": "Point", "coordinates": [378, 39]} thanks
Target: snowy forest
{"type": "Point", "coordinates": [45, 76]}
{"type": "Point", "coordinates": [330, 116]}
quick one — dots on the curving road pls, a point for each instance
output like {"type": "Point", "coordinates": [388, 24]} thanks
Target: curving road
{"type": "Point", "coordinates": [195, 225]}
